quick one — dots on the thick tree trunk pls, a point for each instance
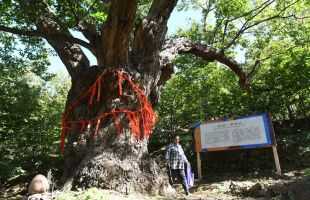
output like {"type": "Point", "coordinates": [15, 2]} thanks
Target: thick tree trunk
{"type": "Point", "coordinates": [113, 163]}
{"type": "Point", "coordinates": [108, 161]}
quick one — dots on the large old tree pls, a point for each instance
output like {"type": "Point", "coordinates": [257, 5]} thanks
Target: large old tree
{"type": "Point", "coordinates": [128, 39]}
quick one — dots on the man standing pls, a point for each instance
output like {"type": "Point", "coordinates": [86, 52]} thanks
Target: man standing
{"type": "Point", "coordinates": [176, 158]}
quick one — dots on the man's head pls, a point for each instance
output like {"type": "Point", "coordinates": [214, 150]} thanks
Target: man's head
{"type": "Point", "coordinates": [38, 185]}
{"type": "Point", "coordinates": [176, 139]}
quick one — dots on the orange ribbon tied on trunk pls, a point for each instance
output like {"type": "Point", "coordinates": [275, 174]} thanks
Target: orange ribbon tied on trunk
{"type": "Point", "coordinates": [144, 117]}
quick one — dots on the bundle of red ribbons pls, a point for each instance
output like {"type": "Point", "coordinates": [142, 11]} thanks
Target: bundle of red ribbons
{"type": "Point", "coordinates": [145, 114]}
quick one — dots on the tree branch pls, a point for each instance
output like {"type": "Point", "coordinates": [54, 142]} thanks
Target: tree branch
{"type": "Point", "coordinates": [50, 26]}
{"type": "Point", "coordinates": [205, 13]}
{"type": "Point", "coordinates": [259, 9]}
{"type": "Point", "coordinates": [55, 36]}
{"type": "Point", "coordinates": [259, 61]}
{"type": "Point", "coordinates": [250, 74]}
{"type": "Point", "coordinates": [246, 25]}
{"type": "Point", "coordinates": [88, 29]}
{"type": "Point", "coordinates": [116, 34]}
{"type": "Point", "coordinates": [151, 31]}
{"type": "Point", "coordinates": [76, 17]}
{"type": "Point", "coordinates": [225, 29]}
{"type": "Point", "coordinates": [198, 4]}
{"type": "Point", "coordinates": [177, 45]}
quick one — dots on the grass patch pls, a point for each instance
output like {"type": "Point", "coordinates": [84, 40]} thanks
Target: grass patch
{"type": "Point", "coordinates": [307, 172]}
{"type": "Point", "coordinates": [89, 194]}
{"type": "Point", "coordinates": [100, 194]}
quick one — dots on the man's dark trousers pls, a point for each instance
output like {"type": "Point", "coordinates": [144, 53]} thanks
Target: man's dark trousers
{"type": "Point", "coordinates": [182, 177]}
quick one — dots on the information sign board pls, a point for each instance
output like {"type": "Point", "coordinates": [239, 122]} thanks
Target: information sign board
{"type": "Point", "coordinates": [244, 132]}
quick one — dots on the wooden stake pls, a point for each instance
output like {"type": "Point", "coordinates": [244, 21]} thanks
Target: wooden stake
{"type": "Point", "coordinates": [276, 159]}
{"type": "Point", "coordinates": [199, 165]}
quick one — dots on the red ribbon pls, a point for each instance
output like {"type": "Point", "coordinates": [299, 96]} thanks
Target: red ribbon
{"type": "Point", "coordinates": [97, 129]}
{"type": "Point", "coordinates": [146, 113]}
{"type": "Point", "coordinates": [120, 78]}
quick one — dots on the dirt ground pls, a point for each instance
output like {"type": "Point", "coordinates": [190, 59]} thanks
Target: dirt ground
{"type": "Point", "coordinates": [290, 185]}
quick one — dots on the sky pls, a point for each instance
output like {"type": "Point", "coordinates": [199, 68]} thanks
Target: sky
{"type": "Point", "coordinates": [177, 19]}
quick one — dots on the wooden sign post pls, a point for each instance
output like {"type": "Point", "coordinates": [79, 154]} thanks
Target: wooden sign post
{"type": "Point", "coordinates": [254, 131]}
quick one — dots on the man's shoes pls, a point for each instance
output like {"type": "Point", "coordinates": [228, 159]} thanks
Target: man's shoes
{"type": "Point", "coordinates": [187, 193]}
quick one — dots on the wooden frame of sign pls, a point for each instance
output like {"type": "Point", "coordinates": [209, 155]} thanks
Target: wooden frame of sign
{"type": "Point", "coordinates": [254, 131]}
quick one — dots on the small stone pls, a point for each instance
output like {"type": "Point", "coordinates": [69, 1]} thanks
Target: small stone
{"type": "Point", "coordinates": [255, 190]}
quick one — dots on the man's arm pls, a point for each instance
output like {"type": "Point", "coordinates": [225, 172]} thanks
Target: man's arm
{"type": "Point", "coordinates": [183, 155]}
{"type": "Point", "coordinates": [167, 156]}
